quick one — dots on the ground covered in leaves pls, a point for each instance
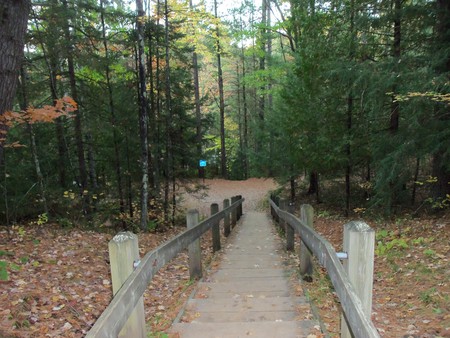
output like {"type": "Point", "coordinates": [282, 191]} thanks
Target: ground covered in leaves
{"type": "Point", "coordinates": [59, 281]}
{"type": "Point", "coordinates": [411, 296]}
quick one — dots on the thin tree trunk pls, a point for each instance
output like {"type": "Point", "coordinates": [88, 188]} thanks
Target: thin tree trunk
{"type": "Point", "coordinates": [51, 52]}
{"type": "Point", "coordinates": [153, 117]}
{"type": "Point", "coordinates": [112, 112]}
{"type": "Point", "coordinates": [83, 180]}
{"type": "Point", "coordinates": [198, 115]}
{"type": "Point", "coordinates": [34, 151]}
{"type": "Point", "coordinates": [245, 111]}
{"type": "Point", "coordinates": [129, 187]}
{"type": "Point", "coordinates": [143, 116]}
{"type": "Point", "coordinates": [169, 129]}
{"type": "Point", "coordinates": [239, 111]}
{"type": "Point", "coordinates": [416, 178]}
{"type": "Point", "coordinates": [223, 155]}
{"type": "Point", "coordinates": [396, 53]}
{"type": "Point", "coordinates": [262, 62]}
{"type": "Point", "coordinates": [348, 150]}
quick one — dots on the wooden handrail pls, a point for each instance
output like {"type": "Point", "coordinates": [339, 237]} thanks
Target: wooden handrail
{"type": "Point", "coordinates": [360, 324]}
{"type": "Point", "coordinates": [116, 314]}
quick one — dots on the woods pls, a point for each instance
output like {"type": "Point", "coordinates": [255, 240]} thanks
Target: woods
{"type": "Point", "coordinates": [347, 101]}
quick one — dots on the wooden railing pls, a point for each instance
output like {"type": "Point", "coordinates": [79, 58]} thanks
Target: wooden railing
{"type": "Point", "coordinates": [128, 294]}
{"type": "Point", "coordinates": [352, 279]}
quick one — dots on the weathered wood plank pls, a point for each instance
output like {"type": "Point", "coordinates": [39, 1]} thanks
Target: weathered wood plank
{"type": "Point", "coordinates": [116, 314]}
{"type": "Point", "coordinates": [306, 262]}
{"type": "Point", "coordinates": [360, 324]}
{"type": "Point", "coordinates": [359, 243]}
{"type": "Point", "coordinates": [194, 249]}
{"type": "Point", "coordinates": [123, 252]}
{"type": "Point", "coordinates": [215, 230]}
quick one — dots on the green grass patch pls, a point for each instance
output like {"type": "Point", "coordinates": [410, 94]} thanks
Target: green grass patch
{"type": "Point", "coordinates": [3, 272]}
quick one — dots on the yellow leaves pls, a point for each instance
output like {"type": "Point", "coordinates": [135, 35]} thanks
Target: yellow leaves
{"type": "Point", "coordinates": [14, 145]}
{"type": "Point", "coordinates": [69, 194]}
{"type": "Point", "coordinates": [359, 210]}
{"type": "Point", "coordinates": [432, 179]}
{"type": "Point", "coordinates": [436, 97]}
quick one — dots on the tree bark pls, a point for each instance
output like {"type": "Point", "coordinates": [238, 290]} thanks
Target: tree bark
{"type": "Point", "coordinates": [198, 115]}
{"type": "Point", "coordinates": [440, 167]}
{"type": "Point", "coordinates": [223, 155]}
{"type": "Point", "coordinates": [143, 116]}
{"type": "Point", "coordinates": [112, 112]}
{"type": "Point", "coordinates": [169, 128]}
{"type": "Point", "coordinates": [13, 26]}
{"type": "Point", "coordinates": [83, 179]}
{"type": "Point", "coordinates": [34, 152]}
{"type": "Point", "coordinates": [396, 53]}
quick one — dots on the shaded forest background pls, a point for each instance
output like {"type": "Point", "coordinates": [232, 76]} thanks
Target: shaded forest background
{"type": "Point", "coordinates": [117, 101]}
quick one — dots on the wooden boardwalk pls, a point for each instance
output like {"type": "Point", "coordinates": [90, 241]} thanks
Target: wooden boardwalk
{"type": "Point", "coordinates": [250, 294]}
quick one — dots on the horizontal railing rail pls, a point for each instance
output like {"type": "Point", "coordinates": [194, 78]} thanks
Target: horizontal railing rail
{"type": "Point", "coordinates": [355, 315]}
{"type": "Point", "coordinates": [111, 321]}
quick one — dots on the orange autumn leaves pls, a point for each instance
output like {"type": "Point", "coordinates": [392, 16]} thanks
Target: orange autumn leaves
{"type": "Point", "coordinates": [65, 106]}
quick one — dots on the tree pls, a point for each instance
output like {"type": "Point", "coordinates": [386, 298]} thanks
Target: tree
{"type": "Point", "coordinates": [13, 25]}
{"type": "Point", "coordinates": [223, 155]}
{"type": "Point", "coordinates": [143, 114]}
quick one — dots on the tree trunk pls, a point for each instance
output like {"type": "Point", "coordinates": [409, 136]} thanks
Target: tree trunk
{"type": "Point", "coordinates": [198, 115]}
{"type": "Point", "coordinates": [169, 128]}
{"type": "Point", "coordinates": [245, 113]}
{"type": "Point", "coordinates": [83, 180]}
{"type": "Point", "coordinates": [396, 53]}
{"type": "Point", "coordinates": [440, 167]}
{"type": "Point", "coordinates": [348, 150]}
{"type": "Point", "coordinates": [223, 155]}
{"type": "Point", "coordinates": [13, 26]}
{"type": "Point", "coordinates": [34, 152]}
{"type": "Point", "coordinates": [52, 54]}
{"type": "Point", "coordinates": [143, 116]}
{"type": "Point", "coordinates": [112, 112]}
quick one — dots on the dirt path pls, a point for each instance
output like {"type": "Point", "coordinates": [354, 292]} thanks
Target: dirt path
{"type": "Point", "coordinates": [254, 190]}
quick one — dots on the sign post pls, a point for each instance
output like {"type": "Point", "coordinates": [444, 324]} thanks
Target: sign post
{"type": "Point", "coordinates": [202, 165]}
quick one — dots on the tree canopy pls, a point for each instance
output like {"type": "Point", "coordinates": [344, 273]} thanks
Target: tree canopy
{"type": "Point", "coordinates": [117, 101]}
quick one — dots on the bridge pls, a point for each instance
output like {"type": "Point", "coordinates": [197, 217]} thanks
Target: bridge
{"type": "Point", "coordinates": [250, 294]}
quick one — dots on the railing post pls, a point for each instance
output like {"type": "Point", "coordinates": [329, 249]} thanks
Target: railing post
{"type": "Point", "coordinates": [233, 213]}
{"type": "Point", "coordinates": [226, 218]}
{"type": "Point", "coordinates": [215, 230]}
{"type": "Point", "coordinates": [195, 253]}
{"type": "Point", "coordinates": [123, 254]}
{"type": "Point", "coordinates": [239, 210]}
{"type": "Point", "coordinates": [290, 234]}
{"type": "Point", "coordinates": [359, 243]}
{"type": "Point", "coordinates": [306, 263]}
{"type": "Point", "coordinates": [282, 223]}
{"type": "Point", "coordinates": [272, 211]}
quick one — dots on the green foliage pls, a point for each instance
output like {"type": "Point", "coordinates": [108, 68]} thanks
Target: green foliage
{"type": "Point", "coordinates": [383, 248]}
{"type": "Point", "coordinates": [3, 272]}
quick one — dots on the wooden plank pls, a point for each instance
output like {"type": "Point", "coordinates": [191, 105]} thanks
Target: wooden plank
{"type": "Point", "coordinates": [194, 249]}
{"type": "Point", "coordinates": [360, 324]}
{"type": "Point", "coordinates": [359, 243]}
{"type": "Point", "coordinates": [226, 219]}
{"type": "Point", "coordinates": [116, 314]}
{"type": "Point", "coordinates": [306, 262]}
{"type": "Point", "coordinates": [123, 252]}
{"type": "Point", "coordinates": [215, 230]}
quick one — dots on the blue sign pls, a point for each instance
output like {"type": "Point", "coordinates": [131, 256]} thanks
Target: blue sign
{"type": "Point", "coordinates": [202, 163]}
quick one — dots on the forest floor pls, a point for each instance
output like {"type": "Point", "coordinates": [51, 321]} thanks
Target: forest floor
{"type": "Point", "coordinates": [59, 283]}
